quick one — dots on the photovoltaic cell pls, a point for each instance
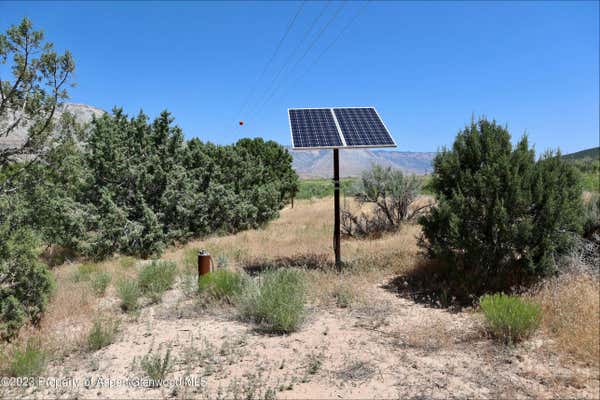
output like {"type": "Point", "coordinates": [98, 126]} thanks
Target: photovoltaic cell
{"type": "Point", "coordinates": [314, 127]}
{"type": "Point", "coordinates": [362, 127]}
{"type": "Point", "coordinates": [357, 127]}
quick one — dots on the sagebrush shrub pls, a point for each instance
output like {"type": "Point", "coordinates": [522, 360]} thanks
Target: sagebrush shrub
{"type": "Point", "coordinates": [29, 360]}
{"type": "Point", "coordinates": [276, 301]}
{"type": "Point", "coordinates": [343, 295]}
{"type": "Point", "coordinates": [390, 193]}
{"type": "Point", "coordinates": [156, 366]}
{"type": "Point", "coordinates": [500, 215]}
{"type": "Point", "coordinates": [222, 284]}
{"type": "Point", "coordinates": [102, 333]}
{"type": "Point", "coordinates": [129, 292]}
{"type": "Point", "coordinates": [510, 318]}
{"type": "Point", "coordinates": [157, 277]}
{"type": "Point", "coordinates": [100, 281]}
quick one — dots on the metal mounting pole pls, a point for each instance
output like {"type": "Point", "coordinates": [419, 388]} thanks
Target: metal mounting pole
{"type": "Point", "coordinates": [336, 207]}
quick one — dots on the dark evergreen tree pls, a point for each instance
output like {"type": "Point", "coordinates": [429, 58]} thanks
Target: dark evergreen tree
{"type": "Point", "coordinates": [118, 185]}
{"type": "Point", "coordinates": [146, 187]}
{"type": "Point", "coordinates": [500, 214]}
{"type": "Point", "coordinates": [33, 78]}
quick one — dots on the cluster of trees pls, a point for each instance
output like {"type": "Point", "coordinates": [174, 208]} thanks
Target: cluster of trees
{"type": "Point", "coordinates": [500, 218]}
{"type": "Point", "coordinates": [130, 185]}
{"type": "Point", "coordinates": [117, 185]}
{"type": "Point", "coordinates": [133, 186]}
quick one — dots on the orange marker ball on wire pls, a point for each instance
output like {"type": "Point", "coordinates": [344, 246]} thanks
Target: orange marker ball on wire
{"type": "Point", "coordinates": [241, 123]}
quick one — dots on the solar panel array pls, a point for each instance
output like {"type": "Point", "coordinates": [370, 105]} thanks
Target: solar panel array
{"type": "Point", "coordinates": [317, 128]}
{"type": "Point", "coordinates": [314, 127]}
{"type": "Point", "coordinates": [362, 127]}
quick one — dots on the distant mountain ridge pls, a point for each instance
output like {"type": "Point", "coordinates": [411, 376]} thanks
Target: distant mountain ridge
{"type": "Point", "coordinates": [307, 163]}
{"type": "Point", "coordinates": [319, 163]}
{"type": "Point", "coordinates": [593, 152]}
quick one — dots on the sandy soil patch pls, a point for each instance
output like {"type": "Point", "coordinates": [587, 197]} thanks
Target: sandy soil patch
{"type": "Point", "coordinates": [378, 346]}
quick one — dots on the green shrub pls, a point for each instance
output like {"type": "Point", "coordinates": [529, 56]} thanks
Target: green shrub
{"type": "Point", "coordinates": [155, 278]}
{"type": "Point", "coordinates": [391, 195]}
{"type": "Point", "coordinates": [25, 283]}
{"type": "Point", "coordinates": [84, 272]}
{"type": "Point", "coordinates": [189, 284]}
{"type": "Point", "coordinates": [319, 188]}
{"type": "Point", "coordinates": [190, 260]}
{"type": "Point", "coordinates": [501, 216]}
{"type": "Point", "coordinates": [589, 166]}
{"type": "Point", "coordinates": [100, 281]}
{"type": "Point", "coordinates": [38, 77]}
{"type": "Point", "coordinates": [103, 333]}
{"type": "Point", "coordinates": [276, 301]}
{"type": "Point", "coordinates": [589, 182]}
{"type": "Point", "coordinates": [591, 216]}
{"type": "Point", "coordinates": [344, 296]}
{"type": "Point", "coordinates": [156, 367]}
{"type": "Point", "coordinates": [222, 284]}
{"type": "Point", "coordinates": [188, 189]}
{"type": "Point", "coordinates": [510, 318]}
{"type": "Point", "coordinates": [128, 291]}
{"type": "Point", "coordinates": [29, 361]}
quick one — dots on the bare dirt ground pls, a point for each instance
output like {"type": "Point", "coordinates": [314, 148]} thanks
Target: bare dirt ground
{"type": "Point", "coordinates": [379, 346]}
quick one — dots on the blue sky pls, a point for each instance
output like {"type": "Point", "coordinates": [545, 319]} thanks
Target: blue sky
{"type": "Point", "coordinates": [426, 66]}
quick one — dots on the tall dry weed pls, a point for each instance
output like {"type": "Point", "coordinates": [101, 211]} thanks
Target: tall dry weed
{"type": "Point", "coordinates": [571, 314]}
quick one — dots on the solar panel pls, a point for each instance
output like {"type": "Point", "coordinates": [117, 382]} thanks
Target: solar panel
{"type": "Point", "coordinates": [362, 127]}
{"type": "Point", "coordinates": [314, 128]}
{"type": "Point", "coordinates": [356, 127]}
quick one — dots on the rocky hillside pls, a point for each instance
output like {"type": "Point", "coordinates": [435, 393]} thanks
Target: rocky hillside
{"type": "Point", "coordinates": [82, 112]}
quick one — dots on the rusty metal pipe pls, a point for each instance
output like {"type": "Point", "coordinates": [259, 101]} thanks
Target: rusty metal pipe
{"type": "Point", "coordinates": [205, 263]}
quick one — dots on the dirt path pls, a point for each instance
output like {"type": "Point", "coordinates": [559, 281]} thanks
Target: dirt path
{"type": "Point", "coordinates": [386, 348]}
{"type": "Point", "coordinates": [381, 346]}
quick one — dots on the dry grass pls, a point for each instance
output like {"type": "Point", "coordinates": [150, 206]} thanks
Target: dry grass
{"type": "Point", "coordinates": [302, 233]}
{"type": "Point", "coordinates": [571, 315]}
{"type": "Point", "coordinates": [302, 237]}
{"type": "Point", "coordinates": [70, 312]}
{"type": "Point", "coordinates": [432, 336]}
{"type": "Point", "coordinates": [306, 229]}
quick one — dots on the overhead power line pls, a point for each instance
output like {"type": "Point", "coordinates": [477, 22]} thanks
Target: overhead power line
{"type": "Point", "coordinates": [306, 52]}
{"type": "Point", "coordinates": [270, 60]}
{"type": "Point", "coordinates": [293, 54]}
{"type": "Point", "coordinates": [332, 43]}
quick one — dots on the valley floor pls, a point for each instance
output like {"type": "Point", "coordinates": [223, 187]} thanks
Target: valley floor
{"type": "Point", "coordinates": [378, 345]}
